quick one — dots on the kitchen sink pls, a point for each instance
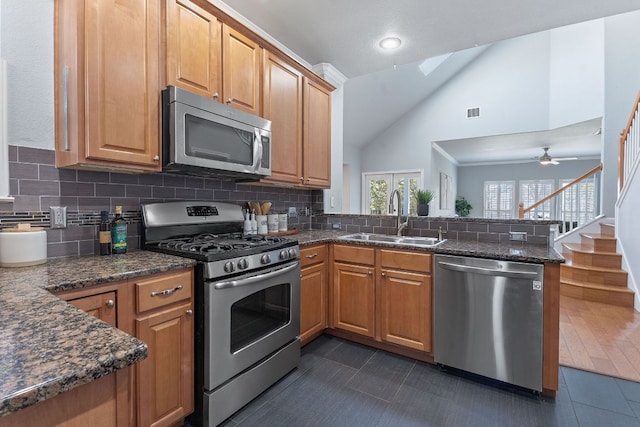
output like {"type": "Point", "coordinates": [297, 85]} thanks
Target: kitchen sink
{"type": "Point", "coordinates": [425, 242]}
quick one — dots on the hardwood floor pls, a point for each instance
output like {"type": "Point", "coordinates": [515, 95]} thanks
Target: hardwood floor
{"type": "Point", "coordinates": [600, 338]}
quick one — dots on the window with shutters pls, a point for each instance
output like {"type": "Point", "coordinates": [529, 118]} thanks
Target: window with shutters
{"type": "Point", "coordinates": [499, 199]}
{"type": "Point", "coordinates": [578, 204]}
{"type": "Point", "coordinates": [533, 190]}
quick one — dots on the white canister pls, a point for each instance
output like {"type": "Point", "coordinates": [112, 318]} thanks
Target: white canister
{"type": "Point", "coordinates": [272, 223]}
{"type": "Point", "coordinates": [282, 222]}
{"type": "Point", "coordinates": [262, 224]}
{"type": "Point", "coordinates": [23, 246]}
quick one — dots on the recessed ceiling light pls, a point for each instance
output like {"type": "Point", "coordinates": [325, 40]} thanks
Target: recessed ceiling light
{"type": "Point", "coordinates": [390, 43]}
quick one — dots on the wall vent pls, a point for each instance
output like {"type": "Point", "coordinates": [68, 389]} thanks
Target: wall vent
{"type": "Point", "coordinates": [473, 112]}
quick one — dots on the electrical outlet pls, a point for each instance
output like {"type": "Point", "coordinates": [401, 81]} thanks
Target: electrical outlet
{"type": "Point", "coordinates": [293, 213]}
{"type": "Point", "coordinates": [58, 216]}
{"type": "Point", "coordinates": [336, 226]}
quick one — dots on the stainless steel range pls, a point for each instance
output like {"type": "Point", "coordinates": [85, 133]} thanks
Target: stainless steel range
{"type": "Point", "coordinates": [247, 301]}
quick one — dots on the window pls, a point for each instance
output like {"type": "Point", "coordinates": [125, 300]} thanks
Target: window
{"type": "Point", "coordinates": [498, 199]}
{"type": "Point", "coordinates": [531, 192]}
{"type": "Point", "coordinates": [578, 203]}
{"type": "Point", "coordinates": [378, 189]}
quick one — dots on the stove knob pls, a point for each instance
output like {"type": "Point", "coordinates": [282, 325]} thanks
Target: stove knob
{"type": "Point", "coordinates": [228, 267]}
{"type": "Point", "coordinates": [292, 253]}
{"type": "Point", "coordinates": [242, 264]}
{"type": "Point", "coordinates": [265, 259]}
{"type": "Point", "coordinates": [284, 255]}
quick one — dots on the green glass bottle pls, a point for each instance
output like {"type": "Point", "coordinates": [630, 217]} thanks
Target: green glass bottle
{"type": "Point", "coordinates": [119, 233]}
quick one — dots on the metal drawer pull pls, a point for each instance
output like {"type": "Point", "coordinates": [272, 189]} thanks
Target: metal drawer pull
{"type": "Point", "coordinates": [110, 303]}
{"type": "Point", "coordinates": [312, 256]}
{"type": "Point", "coordinates": [166, 291]}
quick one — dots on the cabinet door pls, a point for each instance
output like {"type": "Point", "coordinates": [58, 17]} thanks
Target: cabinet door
{"type": "Point", "coordinates": [282, 93]}
{"type": "Point", "coordinates": [122, 82]}
{"type": "Point", "coordinates": [241, 64]}
{"type": "Point", "coordinates": [405, 309]}
{"type": "Point", "coordinates": [194, 45]}
{"type": "Point", "coordinates": [102, 306]}
{"type": "Point", "coordinates": [165, 378]}
{"type": "Point", "coordinates": [313, 302]}
{"type": "Point", "coordinates": [353, 299]}
{"type": "Point", "coordinates": [316, 136]}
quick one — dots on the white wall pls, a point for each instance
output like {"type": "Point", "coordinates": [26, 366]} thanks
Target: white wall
{"type": "Point", "coordinates": [352, 157]}
{"type": "Point", "coordinates": [576, 83]}
{"type": "Point", "coordinates": [26, 34]}
{"type": "Point", "coordinates": [471, 178]}
{"type": "Point", "coordinates": [513, 84]}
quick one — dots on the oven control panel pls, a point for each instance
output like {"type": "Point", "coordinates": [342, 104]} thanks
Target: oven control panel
{"type": "Point", "coordinates": [202, 210]}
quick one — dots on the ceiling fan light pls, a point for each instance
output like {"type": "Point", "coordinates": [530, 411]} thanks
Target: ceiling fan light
{"type": "Point", "coordinates": [390, 43]}
{"type": "Point", "coordinates": [545, 162]}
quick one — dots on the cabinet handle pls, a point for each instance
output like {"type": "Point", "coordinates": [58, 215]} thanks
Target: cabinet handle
{"type": "Point", "coordinates": [189, 312]}
{"type": "Point", "coordinates": [65, 106]}
{"type": "Point", "coordinates": [166, 291]}
{"type": "Point", "coordinates": [302, 178]}
{"type": "Point", "coordinates": [156, 158]}
{"type": "Point", "coordinates": [312, 256]}
{"type": "Point", "coordinates": [216, 95]}
{"type": "Point", "coordinates": [110, 303]}
{"type": "Point", "coordinates": [308, 179]}
{"type": "Point", "coordinates": [384, 274]}
{"type": "Point", "coordinates": [370, 273]}
{"type": "Point", "coordinates": [229, 101]}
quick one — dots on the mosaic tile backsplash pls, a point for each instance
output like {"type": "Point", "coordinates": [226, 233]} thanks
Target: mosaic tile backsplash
{"type": "Point", "coordinates": [37, 184]}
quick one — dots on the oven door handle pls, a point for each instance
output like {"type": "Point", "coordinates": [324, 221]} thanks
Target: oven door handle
{"type": "Point", "coordinates": [254, 279]}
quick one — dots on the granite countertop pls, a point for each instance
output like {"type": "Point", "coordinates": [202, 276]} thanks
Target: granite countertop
{"type": "Point", "coordinates": [515, 251]}
{"type": "Point", "coordinates": [48, 346]}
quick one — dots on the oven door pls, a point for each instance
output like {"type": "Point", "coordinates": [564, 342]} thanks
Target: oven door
{"type": "Point", "coordinates": [247, 318]}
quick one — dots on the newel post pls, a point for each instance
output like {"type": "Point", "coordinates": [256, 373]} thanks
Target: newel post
{"type": "Point", "coordinates": [521, 210]}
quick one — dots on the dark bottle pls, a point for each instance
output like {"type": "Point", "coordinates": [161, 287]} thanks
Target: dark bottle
{"type": "Point", "coordinates": [104, 235]}
{"type": "Point", "coordinates": [118, 233]}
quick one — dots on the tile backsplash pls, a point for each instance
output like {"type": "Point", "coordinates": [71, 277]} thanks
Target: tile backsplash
{"type": "Point", "coordinates": [37, 184]}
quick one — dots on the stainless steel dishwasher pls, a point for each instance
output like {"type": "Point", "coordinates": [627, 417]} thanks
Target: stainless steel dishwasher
{"type": "Point", "coordinates": [488, 318]}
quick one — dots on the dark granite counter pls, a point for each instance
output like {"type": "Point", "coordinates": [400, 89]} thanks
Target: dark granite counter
{"type": "Point", "coordinates": [48, 346]}
{"type": "Point", "coordinates": [513, 251]}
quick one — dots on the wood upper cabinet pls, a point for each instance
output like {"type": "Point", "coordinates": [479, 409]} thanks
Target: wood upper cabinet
{"type": "Point", "coordinates": [241, 67]}
{"type": "Point", "coordinates": [194, 48]}
{"type": "Point", "coordinates": [165, 324]}
{"type": "Point", "coordinates": [210, 58]}
{"type": "Point", "coordinates": [313, 292]}
{"type": "Point", "coordinates": [399, 305]}
{"type": "Point", "coordinates": [107, 88]}
{"type": "Point", "coordinates": [316, 141]}
{"type": "Point", "coordinates": [282, 94]}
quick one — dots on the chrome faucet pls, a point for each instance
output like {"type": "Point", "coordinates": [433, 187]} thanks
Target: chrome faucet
{"type": "Point", "coordinates": [400, 225]}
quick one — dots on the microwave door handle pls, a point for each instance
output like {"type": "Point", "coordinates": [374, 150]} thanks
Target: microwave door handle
{"type": "Point", "coordinates": [257, 150]}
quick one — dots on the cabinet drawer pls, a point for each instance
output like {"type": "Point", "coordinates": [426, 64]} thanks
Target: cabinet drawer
{"type": "Point", "coordinates": [354, 254]}
{"type": "Point", "coordinates": [313, 255]}
{"type": "Point", "coordinates": [163, 290]}
{"type": "Point", "coordinates": [404, 260]}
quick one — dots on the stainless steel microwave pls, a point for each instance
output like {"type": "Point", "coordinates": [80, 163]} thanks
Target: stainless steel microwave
{"type": "Point", "coordinates": [203, 137]}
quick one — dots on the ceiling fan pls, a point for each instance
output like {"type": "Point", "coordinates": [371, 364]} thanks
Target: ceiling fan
{"type": "Point", "coordinates": [546, 159]}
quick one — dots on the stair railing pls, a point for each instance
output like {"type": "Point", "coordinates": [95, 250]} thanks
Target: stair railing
{"type": "Point", "coordinates": [629, 146]}
{"type": "Point", "coordinates": [571, 214]}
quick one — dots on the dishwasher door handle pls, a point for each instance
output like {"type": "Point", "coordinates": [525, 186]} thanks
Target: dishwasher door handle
{"type": "Point", "coordinates": [488, 271]}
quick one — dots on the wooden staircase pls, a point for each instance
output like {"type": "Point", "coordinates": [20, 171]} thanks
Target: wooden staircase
{"type": "Point", "coordinates": [593, 269]}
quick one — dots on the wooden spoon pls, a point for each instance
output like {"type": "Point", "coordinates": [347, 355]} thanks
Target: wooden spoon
{"type": "Point", "coordinates": [265, 207]}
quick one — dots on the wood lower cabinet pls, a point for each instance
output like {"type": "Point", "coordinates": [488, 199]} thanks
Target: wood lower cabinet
{"type": "Point", "coordinates": [383, 294]}
{"type": "Point", "coordinates": [165, 323]}
{"type": "Point", "coordinates": [107, 84]}
{"type": "Point", "coordinates": [102, 306]}
{"type": "Point", "coordinates": [313, 292]}
{"type": "Point", "coordinates": [405, 298]}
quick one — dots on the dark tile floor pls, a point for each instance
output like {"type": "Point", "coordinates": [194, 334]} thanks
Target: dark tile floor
{"type": "Point", "coordinates": [340, 383]}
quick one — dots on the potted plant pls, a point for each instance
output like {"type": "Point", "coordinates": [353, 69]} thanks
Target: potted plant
{"type": "Point", "coordinates": [424, 197]}
{"type": "Point", "coordinates": [463, 208]}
